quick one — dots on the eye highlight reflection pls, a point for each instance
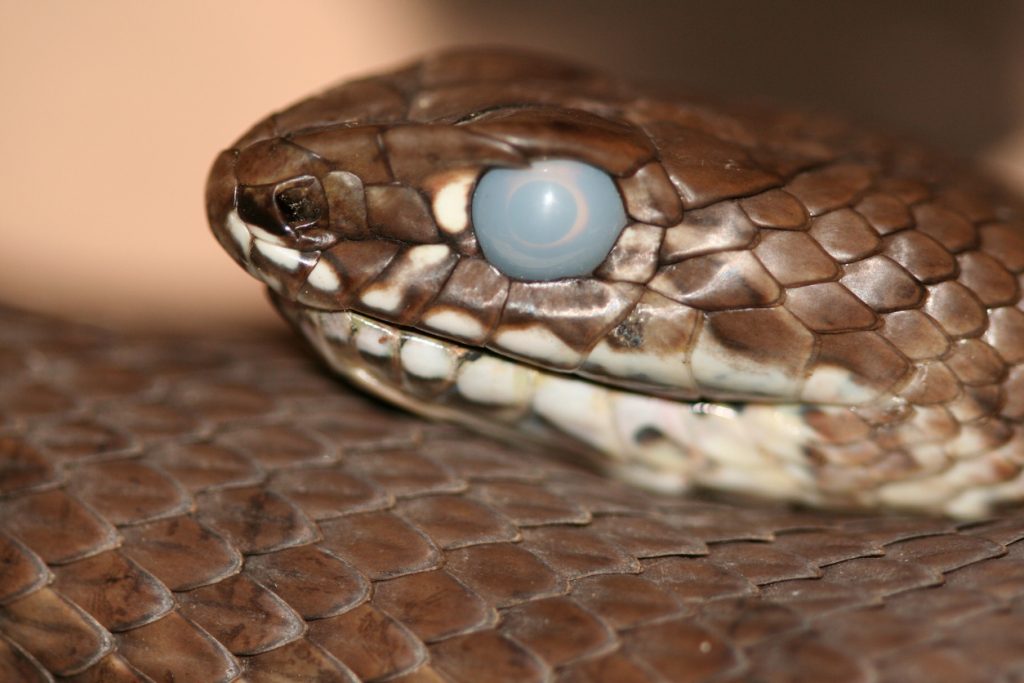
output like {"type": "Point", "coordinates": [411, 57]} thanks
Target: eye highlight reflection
{"type": "Point", "coordinates": [558, 218]}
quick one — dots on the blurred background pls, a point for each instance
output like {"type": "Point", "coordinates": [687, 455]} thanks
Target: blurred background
{"type": "Point", "coordinates": [112, 110]}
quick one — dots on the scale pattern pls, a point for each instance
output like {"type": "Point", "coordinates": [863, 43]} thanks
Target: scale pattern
{"type": "Point", "coordinates": [220, 510]}
{"type": "Point", "coordinates": [771, 257]}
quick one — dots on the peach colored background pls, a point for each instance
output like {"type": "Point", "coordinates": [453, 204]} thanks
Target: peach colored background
{"type": "Point", "coordinates": [113, 109]}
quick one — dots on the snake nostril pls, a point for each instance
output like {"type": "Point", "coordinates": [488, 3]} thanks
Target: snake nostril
{"type": "Point", "coordinates": [300, 202]}
{"type": "Point", "coordinates": [283, 209]}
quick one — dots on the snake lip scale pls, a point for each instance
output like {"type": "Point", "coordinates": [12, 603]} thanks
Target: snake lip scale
{"type": "Point", "coordinates": [792, 307]}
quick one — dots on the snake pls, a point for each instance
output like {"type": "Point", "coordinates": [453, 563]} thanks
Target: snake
{"type": "Point", "coordinates": [700, 295]}
{"type": "Point", "coordinates": [718, 392]}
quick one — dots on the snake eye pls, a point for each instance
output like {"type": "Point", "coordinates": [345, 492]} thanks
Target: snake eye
{"type": "Point", "coordinates": [558, 218]}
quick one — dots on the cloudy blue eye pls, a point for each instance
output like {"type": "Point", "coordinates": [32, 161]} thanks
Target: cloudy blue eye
{"type": "Point", "coordinates": [558, 218]}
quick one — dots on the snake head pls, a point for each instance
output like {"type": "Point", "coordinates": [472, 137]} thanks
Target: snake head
{"type": "Point", "coordinates": [372, 197]}
{"type": "Point", "coordinates": [359, 169]}
{"type": "Point", "coordinates": [859, 299]}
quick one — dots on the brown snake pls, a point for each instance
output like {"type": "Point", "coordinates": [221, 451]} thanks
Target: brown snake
{"type": "Point", "coordinates": [218, 510]}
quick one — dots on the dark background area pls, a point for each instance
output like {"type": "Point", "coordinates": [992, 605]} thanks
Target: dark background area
{"type": "Point", "coordinates": [937, 70]}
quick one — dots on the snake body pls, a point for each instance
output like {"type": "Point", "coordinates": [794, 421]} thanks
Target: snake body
{"type": "Point", "coordinates": [216, 509]}
{"type": "Point", "coordinates": [796, 308]}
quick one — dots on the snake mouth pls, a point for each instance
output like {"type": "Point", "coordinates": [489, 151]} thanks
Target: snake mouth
{"type": "Point", "coordinates": [658, 443]}
{"type": "Point", "coordinates": [437, 378]}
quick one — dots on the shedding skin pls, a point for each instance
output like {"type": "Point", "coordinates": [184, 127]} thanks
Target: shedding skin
{"type": "Point", "coordinates": [858, 297]}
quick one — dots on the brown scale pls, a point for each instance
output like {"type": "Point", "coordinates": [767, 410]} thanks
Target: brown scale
{"type": "Point", "coordinates": [717, 281]}
{"type": "Point", "coordinates": [794, 258]}
{"type": "Point", "coordinates": [650, 197]}
{"type": "Point", "coordinates": [829, 307]}
{"type": "Point", "coordinates": [420, 283]}
{"type": "Point", "coordinates": [630, 258]}
{"type": "Point", "coordinates": [719, 227]}
{"type": "Point", "coordinates": [579, 312]}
